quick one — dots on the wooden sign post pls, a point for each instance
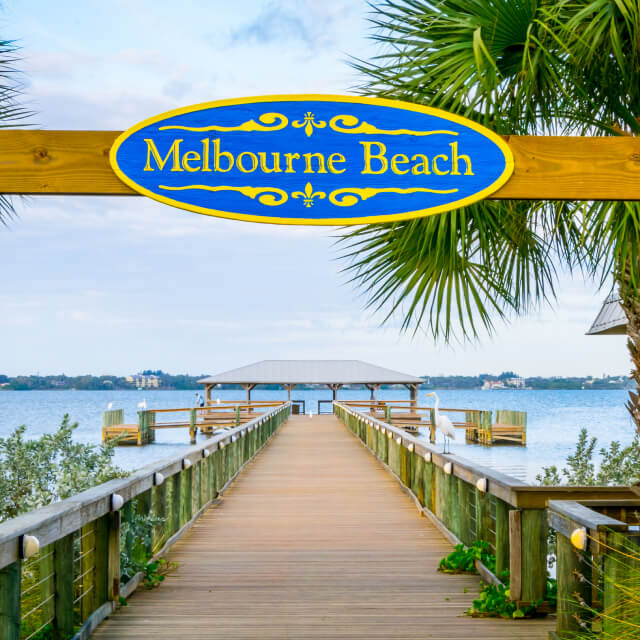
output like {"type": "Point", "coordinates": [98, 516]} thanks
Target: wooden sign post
{"type": "Point", "coordinates": [349, 161]}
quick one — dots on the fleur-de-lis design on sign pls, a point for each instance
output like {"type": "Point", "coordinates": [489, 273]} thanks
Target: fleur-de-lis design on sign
{"type": "Point", "coordinates": [309, 194]}
{"type": "Point", "coordinates": [309, 123]}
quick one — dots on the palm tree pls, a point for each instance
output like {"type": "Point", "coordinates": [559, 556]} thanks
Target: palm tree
{"type": "Point", "coordinates": [519, 67]}
{"type": "Point", "coordinates": [12, 114]}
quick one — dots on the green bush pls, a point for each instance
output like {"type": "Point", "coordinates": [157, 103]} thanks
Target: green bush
{"type": "Point", "coordinates": [36, 472]}
{"type": "Point", "coordinates": [494, 601]}
{"type": "Point", "coordinates": [618, 465]}
{"type": "Point", "coordinates": [462, 559]}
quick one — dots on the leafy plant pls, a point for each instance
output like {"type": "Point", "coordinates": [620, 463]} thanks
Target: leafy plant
{"type": "Point", "coordinates": [36, 472]}
{"type": "Point", "coordinates": [618, 465]}
{"type": "Point", "coordinates": [135, 541]}
{"type": "Point", "coordinates": [462, 559]}
{"type": "Point", "coordinates": [155, 572]}
{"type": "Point", "coordinates": [495, 601]}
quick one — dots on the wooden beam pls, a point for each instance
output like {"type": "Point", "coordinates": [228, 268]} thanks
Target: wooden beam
{"type": "Point", "coordinates": [546, 167]}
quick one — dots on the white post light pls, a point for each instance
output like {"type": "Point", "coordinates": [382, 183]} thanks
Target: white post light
{"type": "Point", "coordinates": [30, 546]}
{"type": "Point", "coordinates": [481, 485]}
{"type": "Point", "coordinates": [158, 478]}
{"type": "Point", "coordinates": [448, 468]}
{"type": "Point", "coordinates": [117, 501]}
{"type": "Point", "coordinates": [579, 538]}
{"type": "Point", "coordinates": [186, 463]}
{"type": "Point", "coordinates": [427, 456]}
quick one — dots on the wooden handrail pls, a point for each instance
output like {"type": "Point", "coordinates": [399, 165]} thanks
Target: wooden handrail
{"type": "Point", "coordinates": [503, 486]}
{"type": "Point", "coordinates": [57, 520]}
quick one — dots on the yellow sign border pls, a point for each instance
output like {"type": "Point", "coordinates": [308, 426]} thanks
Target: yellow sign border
{"type": "Point", "coordinates": [396, 104]}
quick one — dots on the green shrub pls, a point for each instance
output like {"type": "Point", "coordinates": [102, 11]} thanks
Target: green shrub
{"type": "Point", "coordinates": [462, 559]}
{"type": "Point", "coordinates": [36, 472]}
{"type": "Point", "coordinates": [495, 602]}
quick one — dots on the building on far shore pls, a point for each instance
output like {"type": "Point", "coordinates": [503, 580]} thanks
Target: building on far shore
{"type": "Point", "coordinates": [144, 381]}
{"type": "Point", "coordinates": [509, 383]}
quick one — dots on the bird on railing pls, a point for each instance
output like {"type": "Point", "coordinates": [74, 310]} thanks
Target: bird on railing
{"type": "Point", "coordinates": [142, 405]}
{"type": "Point", "coordinates": [443, 424]}
{"type": "Point", "coordinates": [110, 406]}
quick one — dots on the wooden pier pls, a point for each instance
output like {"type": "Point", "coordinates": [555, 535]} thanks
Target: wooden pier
{"type": "Point", "coordinates": [299, 527]}
{"type": "Point", "coordinates": [213, 417]}
{"type": "Point", "coordinates": [315, 540]}
{"type": "Point", "coordinates": [509, 427]}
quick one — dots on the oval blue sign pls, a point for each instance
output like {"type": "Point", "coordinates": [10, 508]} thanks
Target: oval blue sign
{"type": "Point", "coordinates": [312, 159]}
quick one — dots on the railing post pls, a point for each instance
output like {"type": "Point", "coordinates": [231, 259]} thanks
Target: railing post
{"type": "Point", "coordinates": [87, 564]}
{"type": "Point", "coordinates": [571, 564]}
{"type": "Point", "coordinates": [502, 537]}
{"type": "Point", "coordinates": [10, 580]}
{"type": "Point", "coordinates": [432, 426]}
{"type": "Point", "coordinates": [237, 416]}
{"type": "Point", "coordinates": [193, 429]}
{"type": "Point", "coordinates": [63, 562]}
{"type": "Point", "coordinates": [159, 510]}
{"type": "Point", "coordinates": [176, 501]}
{"type": "Point", "coordinates": [101, 553]}
{"type": "Point", "coordinates": [113, 556]}
{"type": "Point", "coordinates": [534, 554]}
{"type": "Point", "coordinates": [185, 498]}
{"type": "Point", "coordinates": [515, 554]}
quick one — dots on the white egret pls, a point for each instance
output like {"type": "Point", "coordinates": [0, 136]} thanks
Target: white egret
{"type": "Point", "coordinates": [142, 405]}
{"type": "Point", "coordinates": [110, 406]}
{"type": "Point", "coordinates": [443, 424]}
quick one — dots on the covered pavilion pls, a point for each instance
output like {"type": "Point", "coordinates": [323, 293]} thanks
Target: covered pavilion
{"type": "Point", "coordinates": [332, 373]}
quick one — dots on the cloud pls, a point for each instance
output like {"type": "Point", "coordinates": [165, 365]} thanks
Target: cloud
{"type": "Point", "coordinates": [285, 21]}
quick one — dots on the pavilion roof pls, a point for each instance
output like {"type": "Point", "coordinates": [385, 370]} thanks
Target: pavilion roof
{"type": "Point", "coordinates": [311, 372]}
{"type": "Point", "coordinates": [611, 320]}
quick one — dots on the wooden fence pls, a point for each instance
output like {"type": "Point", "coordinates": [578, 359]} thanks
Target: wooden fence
{"type": "Point", "coordinates": [469, 502]}
{"type": "Point", "coordinates": [60, 572]}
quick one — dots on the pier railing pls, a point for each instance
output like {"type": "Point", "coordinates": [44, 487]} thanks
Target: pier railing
{"type": "Point", "coordinates": [60, 571]}
{"type": "Point", "coordinates": [469, 502]}
{"type": "Point", "coordinates": [510, 427]}
{"type": "Point", "coordinates": [598, 566]}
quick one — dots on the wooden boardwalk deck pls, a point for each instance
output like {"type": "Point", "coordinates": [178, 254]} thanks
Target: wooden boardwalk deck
{"type": "Point", "coordinates": [314, 540]}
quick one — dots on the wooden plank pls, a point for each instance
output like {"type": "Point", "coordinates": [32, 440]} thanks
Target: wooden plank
{"type": "Point", "coordinates": [571, 564]}
{"type": "Point", "coordinates": [101, 556]}
{"type": "Point", "coordinates": [584, 516]}
{"type": "Point", "coordinates": [515, 554]}
{"type": "Point", "coordinates": [87, 550]}
{"type": "Point", "coordinates": [10, 579]}
{"type": "Point", "coordinates": [63, 560]}
{"type": "Point", "coordinates": [502, 537]}
{"type": "Point", "coordinates": [295, 551]}
{"type": "Point", "coordinates": [534, 554]}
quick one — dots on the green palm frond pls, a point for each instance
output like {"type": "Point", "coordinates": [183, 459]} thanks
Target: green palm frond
{"type": "Point", "coordinates": [12, 113]}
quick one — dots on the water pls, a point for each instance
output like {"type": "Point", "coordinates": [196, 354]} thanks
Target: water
{"type": "Point", "coordinates": [554, 419]}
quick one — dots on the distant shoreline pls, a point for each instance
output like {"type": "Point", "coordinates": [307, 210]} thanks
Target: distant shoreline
{"type": "Point", "coordinates": [166, 382]}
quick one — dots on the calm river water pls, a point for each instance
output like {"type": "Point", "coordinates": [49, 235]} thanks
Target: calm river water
{"type": "Point", "coordinates": [554, 419]}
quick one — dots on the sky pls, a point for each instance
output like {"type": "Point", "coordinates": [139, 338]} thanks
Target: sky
{"type": "Point", "coordinates": [116, 285]}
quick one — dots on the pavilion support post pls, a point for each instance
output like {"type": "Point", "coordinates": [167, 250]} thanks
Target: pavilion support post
{"type": "Point", "coordinates": [413, 396]}
{"type": "Point", "coordinates": [207, 393]}
{"type": "Point", "coordinates": [373, 388]}
{"type": "Point", "coordinates": [248, 388]}
{"type": "Point", "coordinates": [334, 388]}
{"type": "Point", "coordinates": [289, 388]}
